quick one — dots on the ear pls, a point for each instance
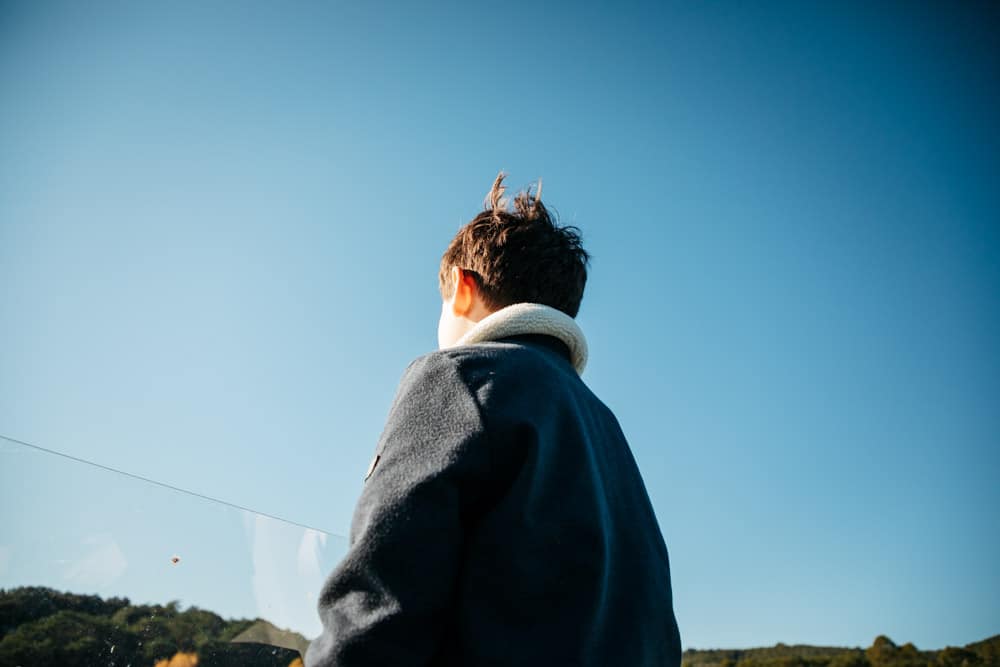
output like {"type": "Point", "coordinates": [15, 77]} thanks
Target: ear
{"type": "Point", "coordinates": [465, 292]}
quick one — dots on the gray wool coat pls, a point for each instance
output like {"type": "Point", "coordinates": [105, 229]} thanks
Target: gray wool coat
{"type": "Point", "coordinates": [504, 523]}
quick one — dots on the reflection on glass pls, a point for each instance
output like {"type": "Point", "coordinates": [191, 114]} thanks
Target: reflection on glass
{"type": "Point", "coordinates": [102, 568]}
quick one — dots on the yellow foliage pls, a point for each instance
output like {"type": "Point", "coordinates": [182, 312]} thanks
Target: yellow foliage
{"type": "Point", "coordinates": [180, 659]}
{"type": "Point", "coordinates": [191, 660]}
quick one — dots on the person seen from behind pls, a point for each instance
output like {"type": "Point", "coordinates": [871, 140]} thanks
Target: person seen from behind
{"type": "Point", "coordinates": [503, 520]}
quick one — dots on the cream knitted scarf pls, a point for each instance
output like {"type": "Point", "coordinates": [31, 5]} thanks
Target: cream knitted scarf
{"type": "Point", "coordinates": [531, 318]}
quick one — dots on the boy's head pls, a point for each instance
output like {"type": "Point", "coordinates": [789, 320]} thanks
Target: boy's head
{"type": "Point", "coordinates": [502, 257]}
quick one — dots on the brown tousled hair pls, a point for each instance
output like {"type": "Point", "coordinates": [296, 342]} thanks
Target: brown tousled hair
{"type": "Point", "coordinates": [518, 255]}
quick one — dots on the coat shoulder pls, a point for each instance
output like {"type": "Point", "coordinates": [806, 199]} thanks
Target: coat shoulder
{"type": "Point", "coordinates": [489, 362]}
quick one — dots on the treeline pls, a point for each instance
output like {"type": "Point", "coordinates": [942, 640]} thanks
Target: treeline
{"type": "Point", "coordinates": [882, 653]}
{"type": "Point", "coordinates": [41, 627]}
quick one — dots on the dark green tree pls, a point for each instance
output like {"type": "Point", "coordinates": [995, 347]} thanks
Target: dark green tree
{"type": "Point", "coordinates": [882, 652]}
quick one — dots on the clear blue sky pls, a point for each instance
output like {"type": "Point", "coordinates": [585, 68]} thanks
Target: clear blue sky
{"type": "Point", "coordinates": [220, 228]}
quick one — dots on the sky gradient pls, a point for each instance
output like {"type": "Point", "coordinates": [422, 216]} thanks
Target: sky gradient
{"type": "Point", "coordinates": [220, 230]}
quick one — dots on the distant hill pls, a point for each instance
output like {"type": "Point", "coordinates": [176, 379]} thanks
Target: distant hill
{"type": "Point", "coordinates": [882, 653]}
{"type": "Point", "coordinates": [42, 627]}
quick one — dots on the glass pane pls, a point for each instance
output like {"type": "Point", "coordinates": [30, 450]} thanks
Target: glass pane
{"type": "Point", "coordinates": [97, 567]}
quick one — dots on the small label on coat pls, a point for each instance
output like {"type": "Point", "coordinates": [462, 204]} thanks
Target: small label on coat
{"type": "Point", "coordinates": [371, 467]}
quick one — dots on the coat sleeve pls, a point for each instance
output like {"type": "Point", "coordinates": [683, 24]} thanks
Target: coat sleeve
{"type": "Point", "coordinates": [387, 603]}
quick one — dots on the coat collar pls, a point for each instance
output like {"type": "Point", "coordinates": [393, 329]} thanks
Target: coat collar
{"type": "Point", "coordinates": [531, 318]}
